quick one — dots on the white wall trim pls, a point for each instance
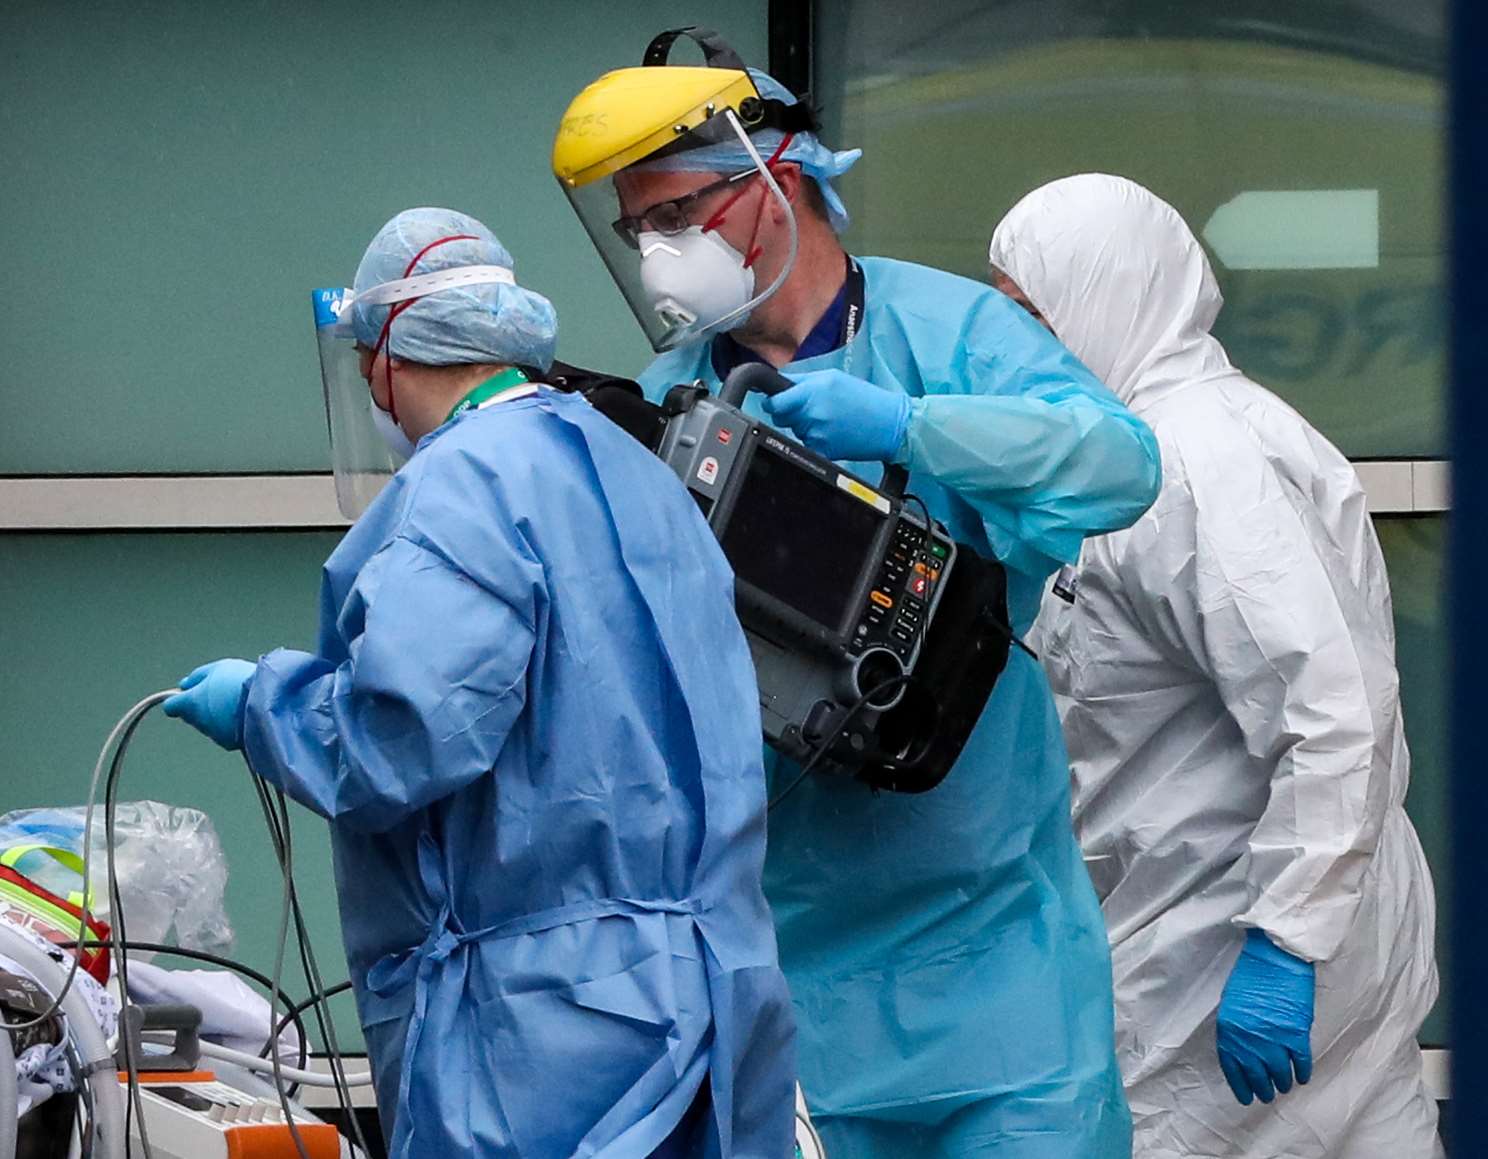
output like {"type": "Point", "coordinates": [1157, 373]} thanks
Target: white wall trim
{"type": "Point", "coordinates": [1432, 483]}
{"type": "Point", "coordinates": [168, 503]}
{"type": "Point", "coordinates": [289, 502]}
{"type": "Point", "coordinates": [1406, 486]}
{"type": "Point", "coordinates": [1438, 1073]}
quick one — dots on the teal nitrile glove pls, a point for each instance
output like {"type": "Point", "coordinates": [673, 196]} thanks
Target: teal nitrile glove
{"type": "Point", "coordinates": [841, 416]}
{"type": "Point", "coordinates": [212, 700]}
{"type": "Point", "coordinates": [1265, 1019]}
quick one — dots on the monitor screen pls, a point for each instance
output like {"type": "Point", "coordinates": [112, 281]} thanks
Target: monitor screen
{"type": "Point", "coordinates": [800, 538]}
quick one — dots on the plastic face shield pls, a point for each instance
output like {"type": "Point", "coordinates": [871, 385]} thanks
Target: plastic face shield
{"type": "Point", "coordinates": [606, 205]}
{"type": "Point", "coordinates": [360, 456]}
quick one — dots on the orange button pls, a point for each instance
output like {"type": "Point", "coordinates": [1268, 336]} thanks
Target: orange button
{"type": "Point", "coordinates": [881, 599]}
{"type": "Point", "coordinates": [921, 569]}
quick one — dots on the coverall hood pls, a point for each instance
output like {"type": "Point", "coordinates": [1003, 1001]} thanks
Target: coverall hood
{"type": "Point", "coordinates": [1121, 279]}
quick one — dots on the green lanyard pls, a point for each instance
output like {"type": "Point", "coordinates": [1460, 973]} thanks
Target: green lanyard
{"type": "Point", "coordinates": [487, 390]}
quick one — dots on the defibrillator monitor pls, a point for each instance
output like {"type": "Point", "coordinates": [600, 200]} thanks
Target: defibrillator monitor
{"type": "Point", "coordinates": [798, 540]}
{"type": "Point", "coordinates": [876, 638]}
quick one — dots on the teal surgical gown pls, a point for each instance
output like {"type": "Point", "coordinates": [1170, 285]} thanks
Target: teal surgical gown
{"type": "Point", "coordinates": [945, 952]}
{"type": "Point", "coordinates": [531, 720]}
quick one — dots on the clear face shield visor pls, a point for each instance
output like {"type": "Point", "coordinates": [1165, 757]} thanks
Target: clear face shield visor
{"type": "Point", "coordinates": [683, 281]}
{"type": "Point", "coordinates": [361, 456]}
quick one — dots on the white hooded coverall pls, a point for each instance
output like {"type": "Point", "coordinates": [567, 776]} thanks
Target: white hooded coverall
{"type": "Point", "coordinates": [1226, 679]}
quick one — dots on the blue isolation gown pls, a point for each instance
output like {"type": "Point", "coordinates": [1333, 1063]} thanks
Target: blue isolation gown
{"type": "Point", "coordinates": [531, 720]}
{"type": "Point", "coordinates": [945, 951]}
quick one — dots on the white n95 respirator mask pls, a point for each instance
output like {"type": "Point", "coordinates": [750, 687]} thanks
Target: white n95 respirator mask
{"type": "Point", "coordinates": [694, 277]}
{"type": "Point", "coordinates": [398, 442]}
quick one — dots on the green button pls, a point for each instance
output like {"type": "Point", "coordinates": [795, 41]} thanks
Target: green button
{"type": "Point", "coordinates": [938, 551]}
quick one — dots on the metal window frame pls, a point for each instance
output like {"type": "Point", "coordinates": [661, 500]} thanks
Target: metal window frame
{"type": "Point", "coordinates": [1468, 169]}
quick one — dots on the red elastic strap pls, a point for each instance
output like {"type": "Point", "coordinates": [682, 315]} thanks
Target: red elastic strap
{"type": "Point", "coordinates": [752, 251]}
{"type": "Point", "coordinates": [398, 308]}
{"type": "Point", "coordinates": [717, 219]}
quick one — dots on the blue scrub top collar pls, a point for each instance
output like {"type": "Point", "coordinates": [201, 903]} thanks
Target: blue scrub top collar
{"type": "Point", "coordinates": [836, 328]}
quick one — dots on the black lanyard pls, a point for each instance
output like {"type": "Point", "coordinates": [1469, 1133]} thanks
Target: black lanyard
{"type": "Point", "coordinates": [726, 353]}
{"type": "Point", "coordinates": [852, 307]}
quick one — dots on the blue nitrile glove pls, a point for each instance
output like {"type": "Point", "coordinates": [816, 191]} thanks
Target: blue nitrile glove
{"type": "Point", "coordinates": [1265, 1018]}
{"type": "Point", "coordinates": [212, 700]}
{"type": "Point", "coordinates": [841, 416]}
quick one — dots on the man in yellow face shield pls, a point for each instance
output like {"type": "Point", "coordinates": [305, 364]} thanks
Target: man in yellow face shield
{"type": "Point", "coordinates": [945, 951]}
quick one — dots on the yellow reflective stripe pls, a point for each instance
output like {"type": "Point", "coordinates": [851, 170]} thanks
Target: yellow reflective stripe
{"type": "Point", "coordinates": [23, 898]}
{"type": "Point", "coordinates": [64, 857]}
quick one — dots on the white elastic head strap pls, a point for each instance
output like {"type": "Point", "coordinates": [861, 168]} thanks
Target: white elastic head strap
{"type": "Point", "coordinates": [419, 285]}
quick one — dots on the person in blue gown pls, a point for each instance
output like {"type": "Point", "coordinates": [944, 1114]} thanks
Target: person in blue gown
{"type": "Point", "coordinates": [945, 952]}
{"type": "Point", "coordinates": [531, 720]}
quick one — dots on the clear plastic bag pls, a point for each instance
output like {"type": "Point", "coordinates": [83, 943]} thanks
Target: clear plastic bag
{"type": "Point", "coordinates": [171, 868]}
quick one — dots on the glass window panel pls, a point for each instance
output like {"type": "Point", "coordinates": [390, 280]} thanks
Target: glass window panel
{"type": "Point", "coordinates": [1415, 550]}
{"type": "Point", "coordinates": [1335, 108]}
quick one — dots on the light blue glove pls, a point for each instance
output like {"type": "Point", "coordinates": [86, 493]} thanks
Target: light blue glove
{"type": "Point", "coordinates": [1265, 1018]}
{"type": "Point", "coordinates": [212, 700]}
{"type": "Point", "coordinates": [841, 416]}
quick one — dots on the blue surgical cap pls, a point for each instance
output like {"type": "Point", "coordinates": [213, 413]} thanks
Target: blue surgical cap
{"type": "Point", "coordinates": [464, 325]}
{"type": "Point", "coordinates": [814, 158]}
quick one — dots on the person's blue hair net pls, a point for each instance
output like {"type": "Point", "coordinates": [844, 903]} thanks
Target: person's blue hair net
{"type": "Point", "coordinates": [464, 325]}
{"type": "Point", "coordinates": [815, 159]}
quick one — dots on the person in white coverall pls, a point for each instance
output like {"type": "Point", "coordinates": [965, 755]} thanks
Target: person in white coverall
{"type": "Point", "coordinates": [1226, 679]}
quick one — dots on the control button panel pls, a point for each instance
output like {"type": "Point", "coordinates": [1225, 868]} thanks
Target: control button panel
{"type": "Point", "coordinates": [898, 605]}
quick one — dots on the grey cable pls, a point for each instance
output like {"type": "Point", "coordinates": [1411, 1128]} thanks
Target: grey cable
{"type": "Point", "coordinates": [278, 976]}
{"type": "Point", "coordinates": [135, 1107]}
{"type": "Point", "coordinates": [266, 1066]}
{"type": "Point", "coordinates": [85, 1116]}
{"type": "Point", "coordinates": [116, 1141]}
{"type": "Point", "coordinates": [281, 836]}
{"type": "Point", "coordinates": [98, 1069]}
{"type": "Point", "coordinates": [125, 723]}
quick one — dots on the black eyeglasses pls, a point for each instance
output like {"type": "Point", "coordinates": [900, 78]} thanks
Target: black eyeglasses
{"type": "Point", "coordinates": [670, 217]}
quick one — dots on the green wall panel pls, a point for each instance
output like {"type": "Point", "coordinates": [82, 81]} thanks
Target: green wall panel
{"type": "Point", "coordinates": [95, 623]}
{"type": "Point", "coordinates": [178, 176]}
